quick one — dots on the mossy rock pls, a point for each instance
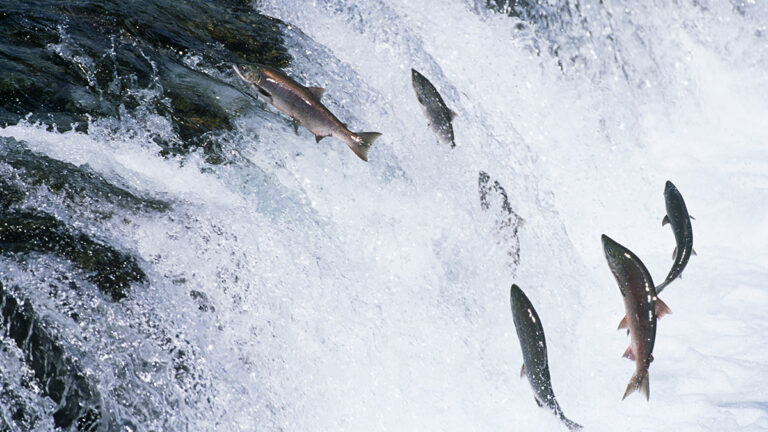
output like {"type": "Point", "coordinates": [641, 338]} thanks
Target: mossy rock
{"type": "Point", "coordinates": [67, 62]}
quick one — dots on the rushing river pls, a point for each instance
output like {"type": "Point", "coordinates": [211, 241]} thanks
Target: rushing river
{"type": "Point", "coordinates": [174, 257]}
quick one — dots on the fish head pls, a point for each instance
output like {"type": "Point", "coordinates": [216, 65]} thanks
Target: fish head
{"type": "Point", "coordinates": [615, 254]}
{"type": "Point", "coordinates": [255, 77]}
{"type": "Point", "coordinates": [517, 298]}
{"type": "Point", "coordinates": [522, 309]}
{"type": "Point", "coordinates": [669, 189]}
{"type": "Point", "coordinates": [252, 74]}
{"type": "Point", "coordinates": [418, 81]}
{"type": "Point", "coordinates": [630, 273]}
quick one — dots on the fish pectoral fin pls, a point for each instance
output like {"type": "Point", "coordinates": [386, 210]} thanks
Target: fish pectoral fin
{"type": "Point", "coordinates": [629, 353]}
{"type": "Point", "coordinates": [319, 137]}
{"type": "Point", "coordinates": [296, 126]}
{"type": "Point", "coordinates": [623, 323]}
{"type": "Point", "coordinates": [694, 251]}
{"type": "Point", "coordinates": [691, 217]}
{"type": "Point", "coordinates": [452, 114]}
{"type": "Point", "coordinates": [665, 220]}
{"type": "Point", "coordinates": [538, 402]}
{"type": "Point", "coordinates": [317, 92]}
{"type": "Point", "coordinates": [267, 95]}
{"type": "Point", "coordinates": [661, 308]}
{"type": "Point", "coordinates": [522, 370]}
{"type": "Point", "coordinates": [674, 252]}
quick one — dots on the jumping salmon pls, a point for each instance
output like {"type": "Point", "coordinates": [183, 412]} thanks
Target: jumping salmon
{"type": "Point", "coordinates": [302, 104]}
{"type": "Point", "coordinates": [438, 114]}
{"type": "Point", "coordinates": [678, 218]}
{"type": "Point", "coordinates": [535, 366]}
{"type": "Point", "coordinates": [640, 304]}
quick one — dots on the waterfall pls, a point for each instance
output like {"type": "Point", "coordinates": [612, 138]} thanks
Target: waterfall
{"type": "Point", "coordinates": [174, 256]}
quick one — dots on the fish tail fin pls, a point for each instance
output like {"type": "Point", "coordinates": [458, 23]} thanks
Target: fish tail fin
{"type": "Point", "coordinates": [661, 286]}
{"type": "Point", "coordinates": [362, 143]}
{"type": "Point", "coordinates": [570, 424]}
{"type": "Point", "coordinates": [639, 382]}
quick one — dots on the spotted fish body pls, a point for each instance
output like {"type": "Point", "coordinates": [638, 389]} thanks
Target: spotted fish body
{"type": "Point", "coordinates": [438, 114]}
{"type": "Point", "coordinates": [640, 300]}
{"type": "Point", "coordinates": [534, 347]}
{"type": "Point", "coordinates": [303, 105]}
{"type": "Point", "coordinates": [677, 217]}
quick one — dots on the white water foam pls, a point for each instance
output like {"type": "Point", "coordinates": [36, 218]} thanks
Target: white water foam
{"type": "Point", "coordinates": [353, 296]}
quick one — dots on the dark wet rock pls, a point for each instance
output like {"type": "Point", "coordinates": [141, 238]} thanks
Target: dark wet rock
{"type": "Point", "coordinates": [79, 185]}
{"type": "Point", "coordinates": [111, 270]}
{"type": "Point", "coordinates": [494, 198]}
{"type": "Point", "coordinates": [551, 14]}
{"type": "Point", "coordinates": [58, 374]}
{"type": "Point", "coordinates": [22, 407]}
{"type": "Point", "coordinates": [203, 303]}
{"type": "Point", "coordinates": [515, 8]}
{"type": "Point", "coordinates": [66, 62]}
{"type": "Point", "coordinates": [10, 193]}
{"type": "Point", "coordinates": [561, 26]}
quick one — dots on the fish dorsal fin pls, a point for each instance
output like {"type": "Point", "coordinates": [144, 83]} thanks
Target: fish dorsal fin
{"type": "Point", "coordinates": [452, 114]}
{"type": "Point", "coordinates": [317, 92]}
{"type": "Point", "coordinates": [665, 220]}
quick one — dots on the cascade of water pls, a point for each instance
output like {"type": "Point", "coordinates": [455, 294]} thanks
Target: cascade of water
{"type": "Point", "coordinates": [257, 280]}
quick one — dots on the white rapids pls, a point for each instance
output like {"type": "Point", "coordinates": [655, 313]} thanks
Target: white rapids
{"type": "Point", "coordinates": [350, 296]}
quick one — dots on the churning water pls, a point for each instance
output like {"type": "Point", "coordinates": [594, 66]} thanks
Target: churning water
{"type": "Point", "coordinates": [294, 287]}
